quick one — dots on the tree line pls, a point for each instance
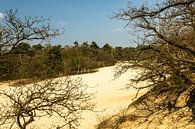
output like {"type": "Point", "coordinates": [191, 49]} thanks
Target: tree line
{"type": "Point", "coordinates": [47, 61]}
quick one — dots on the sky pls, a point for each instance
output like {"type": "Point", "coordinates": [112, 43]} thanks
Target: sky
{"type": "Point", "coordinates": [83, 20]}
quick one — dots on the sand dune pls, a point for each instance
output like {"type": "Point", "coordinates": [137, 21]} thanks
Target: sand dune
{"type": "Point", "coordinates": [109, 94]}
{"type": "Point", "coordinates": [109, 97]}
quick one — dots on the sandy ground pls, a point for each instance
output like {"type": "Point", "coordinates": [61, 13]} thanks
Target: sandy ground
{"type": "Point", "coordinates": [109, 96]}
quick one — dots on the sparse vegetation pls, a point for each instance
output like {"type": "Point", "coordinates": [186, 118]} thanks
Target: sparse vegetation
{"type": "Point", "coordinates": [167, 55]}
{"type": "Point", "coordinates": [63, 98]}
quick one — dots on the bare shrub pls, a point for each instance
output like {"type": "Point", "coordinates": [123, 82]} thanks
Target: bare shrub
{"type": "Point", "coordinates": [64, 98]}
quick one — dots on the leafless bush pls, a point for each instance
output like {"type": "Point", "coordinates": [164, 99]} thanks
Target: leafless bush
{"type": "Point", "coordinates": [166, 53]}
{"type": "Point", "coordinates": [64, 98]}
{"type": "Point", "coordinates": [15, 30]}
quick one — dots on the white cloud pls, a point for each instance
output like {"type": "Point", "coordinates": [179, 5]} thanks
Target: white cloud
{"type": "Point", "coordinates": [120, 29]}
{"type": "Point", "coordinates": [1, 15]}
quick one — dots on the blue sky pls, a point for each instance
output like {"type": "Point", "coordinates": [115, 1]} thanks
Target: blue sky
{"type": "Point", "coordinates": [83, 20]}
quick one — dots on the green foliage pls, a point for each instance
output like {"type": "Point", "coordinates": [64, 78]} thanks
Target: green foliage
{"type": "Point", "coordinates": [53, 60]}
{"type": "Point", "coordinates": [118, 53]}
{"type": "Point", "coordinates": [47, 61]}
{"type": "Point", "coordinates": [37, 47]}
{"type": "Point", "coordinates": [94, 45]}
{"type": "Point", "coordinates": [8, 67]}
{"type": "Point", "coordinates": [83, 58]}
{"type": "Point", "coordinates": [107, 48]}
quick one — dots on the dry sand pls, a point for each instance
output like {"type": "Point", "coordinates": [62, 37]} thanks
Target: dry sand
{"type": "Point", "coordinates": [109, 96]}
